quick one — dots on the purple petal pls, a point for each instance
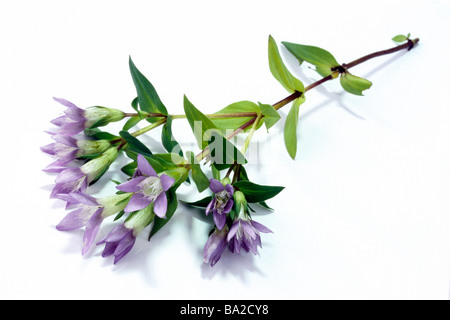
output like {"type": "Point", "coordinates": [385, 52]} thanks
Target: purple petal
{"type": "Point", "coordinates": [60, 121]}
{"type": "Point", "coordinates": [124, 252]}
{"type": "Point", "coordinates": [75, 113]}
{"type": "Point", "coordinates": [68, 175]}
{"type": "Point", "coordinates": [116, 234]}
{"type": "Point", "coordinates": [161, 205]}
{"type": "Point", "coordinates": [50, 149]}
{"type": "Point", "coordinates": [84, 198]}
{"type": "Point", "coordinates": [210, 206]}
{"type": "Point", "coordinates": [125, 243]}
{"type": "Point", "coordinates": [92, 228]}
{"type": "Point", "coordinates": [71, 128]}
{"type": "Point", "coordinates": [220, 220]}
{"type": "Point", "coordinates": [64, 102]}
{"type": "Point", "coordinates": [166, 182]}
{"type": "Point", "coordinates": [216, 186]}
{"type": "Point", "coordinates": [145, 167]}
{"type": "Point", "coordinates": [248, 229]}
{"type": "Point", "coordinates": [228, 206]}
{"type": "Point", "coordinates": [74, 220]}
{"type": "Point", "coordinates": [233, 230]}
{"type": "Point", "coordinates": [137, 202]}
{"type": "Point", "coordinates": [132, 185]}
{"type": "Point", "coordinates": [109, 249]}
{"type": "Point", "coordinates": [230, 189]}
{"type": "Point", "coordinates": [66, 188]}
{"type": "Point", "coordinates": [65, 140]}
{"type": "Point", "coordinates": [261, 228]}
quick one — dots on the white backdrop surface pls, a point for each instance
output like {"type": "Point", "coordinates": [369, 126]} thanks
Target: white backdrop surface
{"type": "Point", "coordinates": [365, 212]}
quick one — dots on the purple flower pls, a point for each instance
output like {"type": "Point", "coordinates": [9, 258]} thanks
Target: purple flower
{"type": "Point", "coordinates": [147, 187]}
{"type": "Point", "coordinates": [119, 242]}
{"type": "Point", "coordinates": [244, 233]}
{"type": "Point", "coordinates": [215, 246]}
{"type": "Point", "coordinates": [122, 238]}
{"type": "Point", "coordinates": [67, 149]}
{"type": "Point", "coordinates": [73, 121]}
{"type": "Point", "coordinates": [222, 203]}
{"type": "Point", "coordinates": [76, 120]}
{"type": "Point", "coordinates": [71, 180]}
{"type": "Point", "coordinates": [89, 212]}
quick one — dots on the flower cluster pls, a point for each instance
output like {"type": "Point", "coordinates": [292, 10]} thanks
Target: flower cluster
{"type": "Point", "coordinates": [243, 232]}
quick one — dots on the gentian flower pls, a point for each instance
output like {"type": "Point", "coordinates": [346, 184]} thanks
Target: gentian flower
{"type": "Point", "coordinates": [222, 203]}
{"type": "Point", "coordinates": [76, 120]}
{"type": "Point", "coordinates": [147, 187]}
{"type": "Point", "coordinates": [90, 212]}
{"type": "Point", "coordinates": [67, 149]}
{"type": "Point", "coordinates": [72, 180]}
{"type": "Point", "coordinates": [122, 238]}
{"type": "Point", "coordinates": [215, 246]}
{"type": "Point", "coordinates": [244, 233]}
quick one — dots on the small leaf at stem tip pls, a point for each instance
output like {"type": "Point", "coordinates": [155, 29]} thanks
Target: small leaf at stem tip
{"type": "Point", "coordinates": [323, 60]}
{"type": "Point", "coordinates": [353, 84]}
{"type": "Point", "coordinates": [280, 71]}
{"type": "Point", "coordinates": [400, 38]}
{"type": "Point", "coordinates": [290, 127]}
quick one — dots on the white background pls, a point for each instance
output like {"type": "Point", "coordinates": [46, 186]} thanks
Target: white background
{"type": "Point", "coordinates": [365, 213]}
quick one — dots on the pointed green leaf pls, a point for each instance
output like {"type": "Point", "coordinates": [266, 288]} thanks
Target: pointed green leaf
{"type": "Point", "coordinates": [199, 177]}
{"type": "Point", "coordinates": [203, 203]}
{"type": "Point", "coordinates": [279, 70]}
{"type": "Point", "coordinates": [255, 193]}
{"type": "Point", "coordinates": [225, 124]}
{"type": "Point", "coordinates": [354, 84]}
{"type": "Point", "coordinates": [168, 141]}
{"type": "Point", "coordinates": [271, 116]}
{"type": "Point", "coordinates": [201, 125]}
{"type": "Point", "coordinates": [221, 151]}
{"type": "Point", "coordinates": [290, 127]}
{"type": "Point", "coordinates": [400, 38]}
{"type": "Point", "coordinates": [135, 145]}
{"type": "Point", "coordinates": [320, 58]}
{"type": "Point", "coordinates": [172, 206]}
{"type": "Point", "coordinates": [148, 98]}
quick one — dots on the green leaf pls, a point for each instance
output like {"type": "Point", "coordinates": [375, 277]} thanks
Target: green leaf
{"type": "Point", "coordinates": [255, 193]}
{"type": "Point", "coordinates": [199, 177]}
{"type": "Point", "coordinates": [400, 38]}
{"type": "Point", "coordinates": [271, 116]}
{"type": "Point", "coordinates": [215, 172]}
{"type": "Point", "coordinates": [201, 125]}
{"type": "Point", "coordinates": [225, 124]}
{"type": "Point", "coordinates": [323, 60]}
{"type": "Point", "coordinates": [172, 205]}
{"type": "Point", "coordinates": [290, 127]}
{"type": "Point", "coordinates": [168, 141]}
{"type": "Point", "coordinates": [279, 70]}
{"type": "Point", "coordinates": [134, 145]}
{"type": "Point", "coordinates": [354, 84]}
{"type": "Point", "coordinates": [203, 203]}
{"type": "Point", "coordinates": [100, 135]}
{"type": "Point", "coordinates": [148, 98]}
{"type": "Point", "coordinates": [221, 151]}
{"type": "Point", "coordinates": [129, 169]}
{"type": "Point", "coordinates": [131, 123]}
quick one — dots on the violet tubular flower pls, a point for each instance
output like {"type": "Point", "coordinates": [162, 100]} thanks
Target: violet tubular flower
{"type": "Point", "coordinates": [147, 187]}
{"type": "Point", "coordinates": [66, 149]}
{"type": "Point", "coordinates": [76, 179]}
{"type": "Point", "coordinates": [215, 246]}
{"type": "Point", "coordinates": [90, 212]}
{"type": "Point", "coordinates": [122, 238]}
{"type": "Point", "coordinates": [75, 119]}
{"type": "Point", "coordinates": [222, 203]}
{"type": "Point", "coordinates": [244, 233]}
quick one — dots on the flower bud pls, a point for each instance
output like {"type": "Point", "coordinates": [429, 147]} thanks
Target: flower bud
{"type": "Point", "coordinates": [101, 116]}
{"type": "Point", "coordinates": [92, 147]}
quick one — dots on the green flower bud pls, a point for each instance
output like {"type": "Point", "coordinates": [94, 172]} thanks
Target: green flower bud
{"type": "Point", "coordinates": [101, 116]}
